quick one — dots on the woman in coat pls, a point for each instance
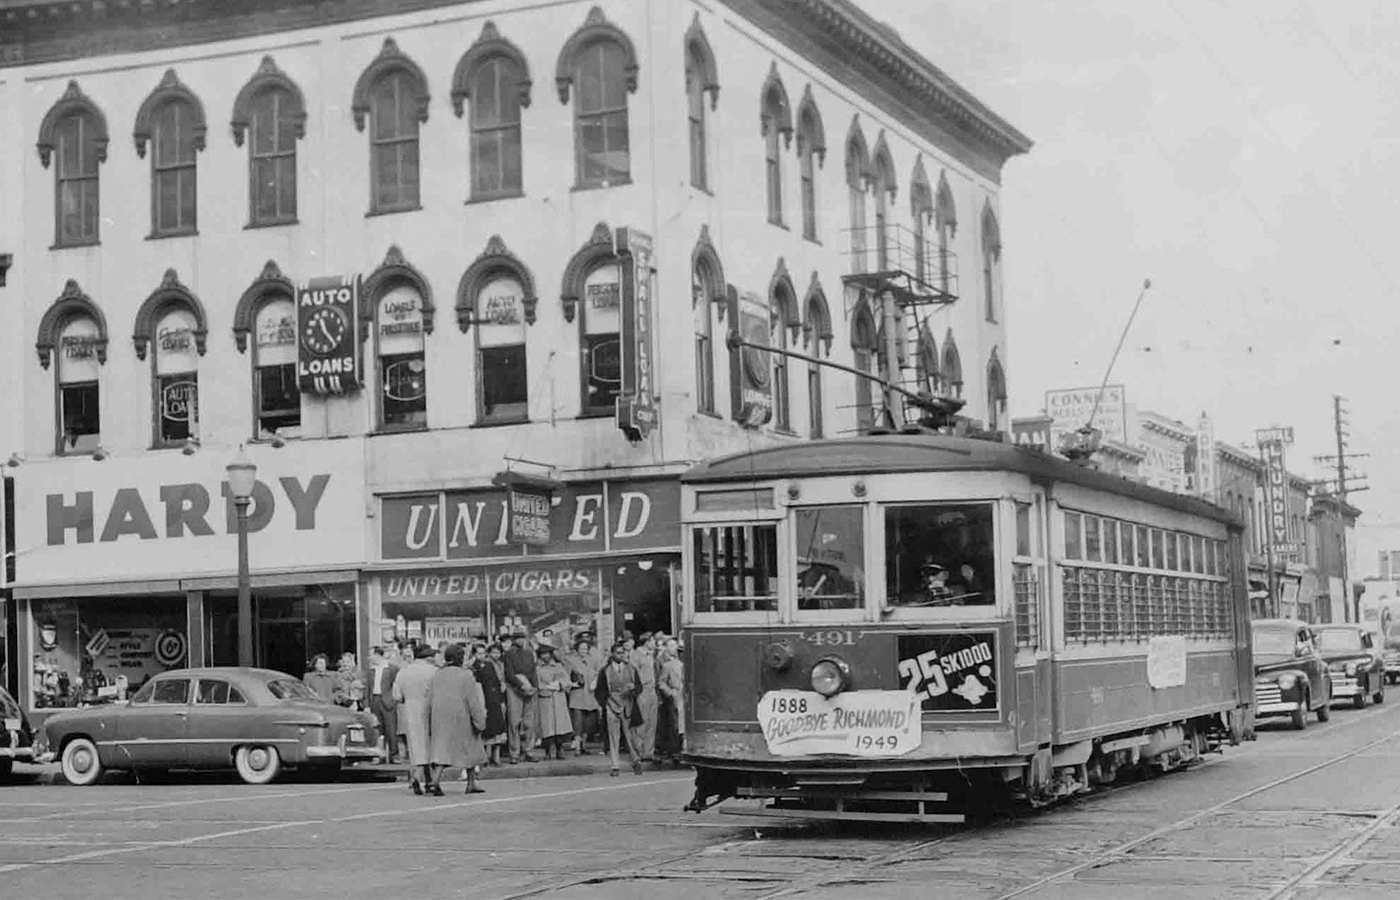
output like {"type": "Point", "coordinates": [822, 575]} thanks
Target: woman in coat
{"type": "Point", "coordinates": [413, 697]}
{"type": "Point", "coordinates": [583, 665]}
{"type": "Point", "coordinates": [552, 705]}
{"type": "Point", "coordinates": [489, 670]}
{"type": "Point", "coordinates": [457, 718]}
{"type": "Point", "coordinates": [327, 685]}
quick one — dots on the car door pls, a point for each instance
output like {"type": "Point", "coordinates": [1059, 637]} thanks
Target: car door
{"type": "Point", "coordinates": [220, 718]}
{"type": "Point", "coordinates": [152, 732]}
{"type": "Point", "coordinates": [1318, 678]}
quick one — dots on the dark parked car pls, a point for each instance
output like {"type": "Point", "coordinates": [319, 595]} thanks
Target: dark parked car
{"type": "Point", "coordinates": [1358, 669]}
{"type": "Point", "coordinates": [1290, 676]}
{"type": "Point", "coordinates": [16, 737]}
{"type": "Point", "coordinates": [253, 720]}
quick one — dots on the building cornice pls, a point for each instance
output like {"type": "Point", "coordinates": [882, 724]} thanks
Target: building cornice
{"type": "Point", "coordinates": [1169, 427]}
{"type": "Point", "coordinates": [1238, 457]}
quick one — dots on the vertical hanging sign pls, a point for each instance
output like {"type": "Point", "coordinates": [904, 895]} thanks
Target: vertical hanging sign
{"type": "Point", "coordinates": [328, 335]}
{"type": "Point", "coordinates": [636, 404]}
{"type": "Point", "coordinates": [1271, 447]}
{"type": "Point", "coordinates": [1205, 458]}
{"type": "Point", "coordinates": [750, 368]}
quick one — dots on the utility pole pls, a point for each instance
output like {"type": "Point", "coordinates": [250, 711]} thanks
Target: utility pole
{"type": "Point", "coordinates": [1340, 490]}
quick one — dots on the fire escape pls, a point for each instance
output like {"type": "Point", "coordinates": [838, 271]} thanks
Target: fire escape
{"type": "Point", "coordinates": [904, 277]}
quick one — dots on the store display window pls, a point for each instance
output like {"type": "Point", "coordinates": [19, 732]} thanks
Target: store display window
{"type": "Point", "coordinates": [91, 650]}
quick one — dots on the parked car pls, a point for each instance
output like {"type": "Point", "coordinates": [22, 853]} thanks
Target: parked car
{"type": "Point", "coordinates": [1356, 664]}
{"type": "Point", "coordinates": [1390, 652]}
{"type": "Point", "coordinates": [253, 720]}
{"type": "Point", "coordinates": [1290, 676]}
{"type": "Point", "coordinates": [16, 737]}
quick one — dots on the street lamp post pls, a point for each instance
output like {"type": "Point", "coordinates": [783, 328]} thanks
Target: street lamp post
{"type": "Point", "coordinates": [242, 475]}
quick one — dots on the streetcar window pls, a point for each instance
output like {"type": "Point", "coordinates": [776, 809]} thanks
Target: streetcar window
{"type": "Point", "coordinates": [1073, 541]}
{"type": "Point", "coordinates": [830, 557]}
{"type": "Point", "coordinates": [1158, 560]}
{"type": "Point", "coordinates": [1023, 529]}
{"type": "Point", "coordinates": [940, 555]}
{"type": "Point", "coordinates": [1110, 541]}
{"type": "Point", "coordinates": [736, 568]}
{"type": "Point", "coordinates": [1144, 558]}
{"type": "Point", "coordinates": [1171, 538]}
{"type": "Point", "coordinates": [1093, 543]}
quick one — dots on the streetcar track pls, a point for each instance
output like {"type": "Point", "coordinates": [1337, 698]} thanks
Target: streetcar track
{"type": "Point", "coordinates": [1120, 850]}
{"type": "Point", "coordinates": [1314, 874]}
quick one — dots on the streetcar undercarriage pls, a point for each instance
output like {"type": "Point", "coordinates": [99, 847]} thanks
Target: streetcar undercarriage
{"type": "Point", "coordinates": [949, 790]}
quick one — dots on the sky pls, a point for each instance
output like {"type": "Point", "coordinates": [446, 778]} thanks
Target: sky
{"type": "Point", "coordinates": [1240, 156]}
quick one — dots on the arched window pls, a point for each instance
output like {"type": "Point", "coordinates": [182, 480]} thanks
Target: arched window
{"type": "Point", "coordinates": [945, 223]}
{"type": "Point", "coordinates": [776, 121]}
{"type": "Point", "coordinates": [172, 119]}
{"type": "Point", "coordinates": [996, 394]}
{"type": "Point", "coordinates": [171, 323]}
{"type": "Point", "coordinates": [811, 152]}
{"type": "Point", "coordinates": [857, 179]}
{"type": "Point", "coordinates": [816, 322]}
{"type": "Point", "coordinates": [400, 303]}
{"type": "Point", "coordinates": [885, 186]}
{"type": "Point", "coordinates": [921, 212]}
{"type": "Point", "coordinates": [267, 310]}
{"type": "Point", "coordinates": [393, 92]}
{"type": "Point", "coordinates": [863, 343]}
{"type": "Point", "coordinates": [593, 289]}
{"type": "Point", "coordinates": [707, 288]}
{"type": "Point", "coordinates": [952, 365]}
{"type": "Point", "coordinates": [76, 130]}
{"type": "Point", "coordinates": [272, 106]}
{"type": "Point", "coordinates": [926, 362]}
{"type": "Point", "coordinates": [700, 78]}
{"type": "Point", "coordinates": [600, 64]}
{"type": "Point", "coordinates": [495, 77]}
{"type": "Point", "coordinates": [76, 328]}
{"type": "Point", "coordinates": [991, 255]}
{"type": "Point", "coordinates": [497, 294]}
{"type": "Point", "coordinates": [786, 323]}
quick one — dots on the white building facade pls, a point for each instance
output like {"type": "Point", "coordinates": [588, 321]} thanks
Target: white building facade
{"type": "Point", "coordinates": [424, 258]}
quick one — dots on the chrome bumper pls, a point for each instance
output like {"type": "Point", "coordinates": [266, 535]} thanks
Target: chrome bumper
{"type": "Point", "coordinates": [342, 750]}
{"type": "Point", "coordinates": [1344, 686]}
{"type": "Point", "coordinates": [25, 753]}
{"type": "Point", "coordinates": [1277, 708]}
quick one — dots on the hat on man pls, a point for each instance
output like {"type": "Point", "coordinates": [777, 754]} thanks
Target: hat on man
{"type": "Point", "coordinates": [423, 651]}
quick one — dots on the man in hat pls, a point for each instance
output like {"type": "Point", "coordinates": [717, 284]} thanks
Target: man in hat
{"type": "Point", "coordinates": [616, 693]}
{"type": "Point", "coordinates": [521, 687]}
{"type": "Point", "coordinates": [412, 693]}
{"type": "Point", "coordinates": [583, 663]}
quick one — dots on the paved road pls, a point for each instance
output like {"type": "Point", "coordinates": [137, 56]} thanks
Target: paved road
{"type": "Point", "coordinates": [1293, 816]}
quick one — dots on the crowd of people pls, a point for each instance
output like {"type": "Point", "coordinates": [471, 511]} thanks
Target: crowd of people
{"type": "Point", "coordinates": [467, 705]}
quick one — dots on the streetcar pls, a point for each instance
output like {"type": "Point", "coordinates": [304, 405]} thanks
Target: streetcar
{"type": "Point", "coordinates": [906, 626]}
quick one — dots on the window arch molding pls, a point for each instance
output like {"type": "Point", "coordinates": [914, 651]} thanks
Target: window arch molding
{"type": "Point", "coordinates": [706, 256]}
{"type": "Point", "coordinates": [73, 102]}
{"type": "Point", "coordinates": [495, 261]}
{"type": "Point", "coordinates": [69, 305]}
{"type": "Point", "coordinates": [774, 106]}
{"type": "Point", "coordinates": [391, 60]}
{"type": "Point", "coordinates": [991, 232]}
{"type": "Point", "coordinates": [863, 329]}
{"type": "Point", "coordinates": [945, 210]}
{"type": "Point", "coordinates": [996, 377]}
{"type": "Point", "coordinates": [594, 253]}
{"type": "Point", "coordinates": [170, 90]}
{"type": "Point", "coordinates": [882, 167]}
{"type": "Point", "coordinates": [392, 272]}
{"type": "Point", "coordinates": [811, 131]}
{"type": "Point", "coordinates": [267, 78]}
{"type": "Point", "coordinates": [594, 29]}
{"type": "Point", "coordinates": [698, 45]}
{"type": "Point", "coordinates": [927, 361]}
{"type": "Point", "coordinates": [858, 171]}
{"type": "Point", "coordinates": [170, 293]}
{"type": "Point", "coordinates": [817, 316]}
{"type": "Point", "coordinates": [921, 203]}
{"type": "Point", "coordinates": [270, 284]}
{"type": "Point", "coordinates": [488, 46]}
{"type": "Point", "coordinates": [782, 298]}
{"type": "Point", "coordinates": [952, 363]}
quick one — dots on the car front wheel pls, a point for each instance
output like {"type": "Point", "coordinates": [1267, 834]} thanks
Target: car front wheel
{"type": "Point", "coordinates": [1379, 695]}
{"type": "Point", "coordinates": [1324, 712]}
{"type": "Point", "coordinates": [80, 763]}
{"type": "Point", "coordinates": [257, 764]}
{"type": "Point", "coordinates": [1299, 716]}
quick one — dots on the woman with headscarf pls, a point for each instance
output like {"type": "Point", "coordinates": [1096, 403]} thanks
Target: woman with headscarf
{"type": "Point", "coordinates": [413, 692]}
{"type": "Point", "coordinates": [670, 683]}
{"type": "Point", "coordinates": [457, 717]}
{"type": "Point", "coordinates": [552, 707]}
{"type": "Point", "coordinates": [489, 671]}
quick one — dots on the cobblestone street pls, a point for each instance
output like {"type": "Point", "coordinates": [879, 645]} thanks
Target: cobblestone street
{"type": "Point", "coordinates": [1294, 815]}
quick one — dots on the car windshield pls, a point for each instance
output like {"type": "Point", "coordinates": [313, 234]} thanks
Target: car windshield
{"type": "Point", "coordinates": [291, 689]}
{"type": "Point", "coordinates": [1274, 641]}
{"type": "Point", "coordinates": [1334, 640]}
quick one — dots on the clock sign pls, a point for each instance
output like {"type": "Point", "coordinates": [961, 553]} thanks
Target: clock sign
{"type": "Point", "coordinates": [323, 331]}
{"type": "Point", "coordinates": [328, 358]}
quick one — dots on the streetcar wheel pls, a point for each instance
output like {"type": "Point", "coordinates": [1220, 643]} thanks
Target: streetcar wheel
{"type": "Point", "coordinates": [80, 763]}
{"type": "Point", "coordinates": [257, 764]}
{"type": "Point", "coordinates": [1300, 716]}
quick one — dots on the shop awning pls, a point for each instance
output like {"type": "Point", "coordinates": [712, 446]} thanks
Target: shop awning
{"type": "Point", "coordinates": [181, 585]}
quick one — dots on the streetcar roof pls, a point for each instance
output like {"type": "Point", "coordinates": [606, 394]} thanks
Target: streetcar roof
{"type": "Point", "coordinates": [898, 453]}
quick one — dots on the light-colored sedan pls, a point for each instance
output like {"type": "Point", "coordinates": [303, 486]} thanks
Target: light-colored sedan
{"type": "Point", "coordinates": [253, 720]}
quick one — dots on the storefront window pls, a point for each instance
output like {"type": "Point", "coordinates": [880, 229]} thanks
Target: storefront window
{"type": "Point", "coordinates": [940, 555]}
{"type": "Point", "coordinates": [290, 626]}
{"type": "Point", "coordinates": [91, 649]}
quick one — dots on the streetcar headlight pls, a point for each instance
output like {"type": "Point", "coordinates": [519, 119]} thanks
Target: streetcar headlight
{"type": "Point", "coordinates": [1286, 682]}
{"type": "Point", "coordinates": [830, 676]}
